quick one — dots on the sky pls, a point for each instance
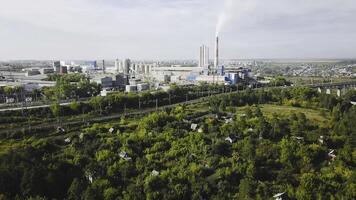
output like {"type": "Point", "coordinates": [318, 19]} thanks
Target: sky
{"type": "Point", "coordinates": [174, 29]}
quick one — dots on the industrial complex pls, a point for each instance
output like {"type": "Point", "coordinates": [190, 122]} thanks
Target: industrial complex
{"type": "Point", "coordinates": [135, 76]}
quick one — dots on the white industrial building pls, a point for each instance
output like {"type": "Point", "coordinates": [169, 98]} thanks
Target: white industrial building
{"type": "Point", "coordinates": [204, 56]}
{"type": "Point", "coordinates": [210, 79]}
{"type": "Point", "coordinates": [131, 68]}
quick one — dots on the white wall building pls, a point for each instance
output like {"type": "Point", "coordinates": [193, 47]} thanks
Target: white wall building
{"type": "Point", "coordinates": [204, 56]}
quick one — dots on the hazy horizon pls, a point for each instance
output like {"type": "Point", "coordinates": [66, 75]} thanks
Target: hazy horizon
{"type": "Point", "coordinates": [174, 30]}
{"type": "Point", "coordinates": [310, 60]}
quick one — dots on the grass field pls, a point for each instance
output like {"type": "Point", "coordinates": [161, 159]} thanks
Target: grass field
{"type": "Point", "coordinates": [300, 80]}
{"type": "Point", "coordinates": [313, 115]}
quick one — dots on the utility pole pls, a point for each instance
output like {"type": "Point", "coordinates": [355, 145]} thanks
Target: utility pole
{"type": "Point", "coordinates": [156, 104]}
{"type": "Point", "coordinates": [59, 101]}
{"type": "Point", "coordinates": [23, 102]}
{"type": "Point", "coordinates": [169, 98]}
{"type": "Point", "coordinates": [139, 103]}
{"type": "Point", "coordinates": [83, 115]}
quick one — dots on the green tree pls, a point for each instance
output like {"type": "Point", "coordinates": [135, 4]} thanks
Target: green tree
{"type": "Point", "coordinates": [56, 109]}
{"type": "Point", "coordinates": [308, 188]}
{"type": "Point", "coordinates": [76, 189]}
{"type": "Point", "coordinates": [246, 190]}
{"type": "Point", "coordinates": [8, 90]}
{"type": "Point", "coordinates": [97, 103]}
{"type": "Point", "coordinates": [288, 154]}
{"type": "Point", "coordinates": [74, 106]}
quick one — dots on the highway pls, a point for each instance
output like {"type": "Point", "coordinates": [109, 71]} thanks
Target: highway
{"type": "Point", "coordinates": [35, 105]}
{"type": "Point", "coordinates": [31, 107]}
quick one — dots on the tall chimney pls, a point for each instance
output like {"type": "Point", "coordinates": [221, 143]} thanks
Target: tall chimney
{"type": "Point", "coordinates": [104, 66]}
{"type": "Point", "coordinates": [216, 62]}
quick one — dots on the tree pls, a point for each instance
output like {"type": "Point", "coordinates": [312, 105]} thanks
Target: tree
{"type": "Point", "coordinates": [336, 113]}
{"type": "Point", "coordinates": [91, 193]}
{"type": "Point", "coordinates": [111, 193]}
{"type": "Point", "coordinates": [221, 148]}
{"type": "Point", "coordinates": [214, 105]}
{"type": "Point", "coordinates": [74, 106]}
{"type": "Point", "coordinates": [55, 108]}
{"type": "Point", "coordinates": [308, 188]}
{"type": "Point", "coordinates": [279, 81]}
{"type": "Point", "coordinates": [8, 90]}
{"type": "Point", "coordinates": [246, 189]}
{"type": "Point", "coordinates": [76, 189]}
{"type": "Point", "coordinates": [288, 154]}
{"type": "Point", "coordinates": [32, 182]}
{"type": "Point", "coordinates": [97, 103]}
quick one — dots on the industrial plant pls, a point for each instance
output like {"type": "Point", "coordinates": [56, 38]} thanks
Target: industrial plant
{"type": "Point", "coordinates": [126, 75]}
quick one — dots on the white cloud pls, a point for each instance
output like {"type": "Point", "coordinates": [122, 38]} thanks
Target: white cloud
{"type": "Point", "coordinates": [174, 29]}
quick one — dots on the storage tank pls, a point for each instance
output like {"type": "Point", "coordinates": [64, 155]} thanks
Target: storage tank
{"type": "Point", "coordinates": [147, 70]}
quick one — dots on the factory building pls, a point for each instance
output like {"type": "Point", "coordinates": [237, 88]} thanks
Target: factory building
{"type": "Point", "coordinates": [63, 70]}
{"type": "Point", "coordinates": [120, 80]}
{"type": "Point", "coordinates": [236, 75]}
{"type": "Point", "coordinates": [210, 79]}
{"type": "Point", "coordinates": [105, 82]}
{"type": "Point", "coordinates": [32, 72]}
{"type": "Point", "coordinates": [56, 66]}
{"type": "Point", "coordinates": [163, 78]}
{"type": "Point", "coordinates": [46, 70]}
{"type": "Point", "coordinates": [92, 65]}
{"type": "Point", "coordinates": [143, 87]}
{"type": "Point", "coordinates": [60, 67]}
{"type": "Point", "coordinates": [131, 88]}
{"type": "Point", "coordinates": [75, 68]}
{"type": "Point", "coordinates": [232, 78]}
{"type": "Point", "coordinates": [137, 87]}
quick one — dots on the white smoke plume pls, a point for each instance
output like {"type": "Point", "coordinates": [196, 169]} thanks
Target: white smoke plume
{"type": "Point", "coordinates": [233, 9]}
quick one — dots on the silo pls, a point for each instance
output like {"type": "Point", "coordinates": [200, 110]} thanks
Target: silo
{"type": "Point", "coordinates": [147, 70]}
{"type": "Point", "coordinates": [127, 65]}
{"type": "Point", "coordinates": [142, 68]}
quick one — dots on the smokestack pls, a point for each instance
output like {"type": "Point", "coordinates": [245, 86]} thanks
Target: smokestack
{"type": "Point", "coordinates": [104, 66]}
{"type": "Point", "coordinates": [216, 62]}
